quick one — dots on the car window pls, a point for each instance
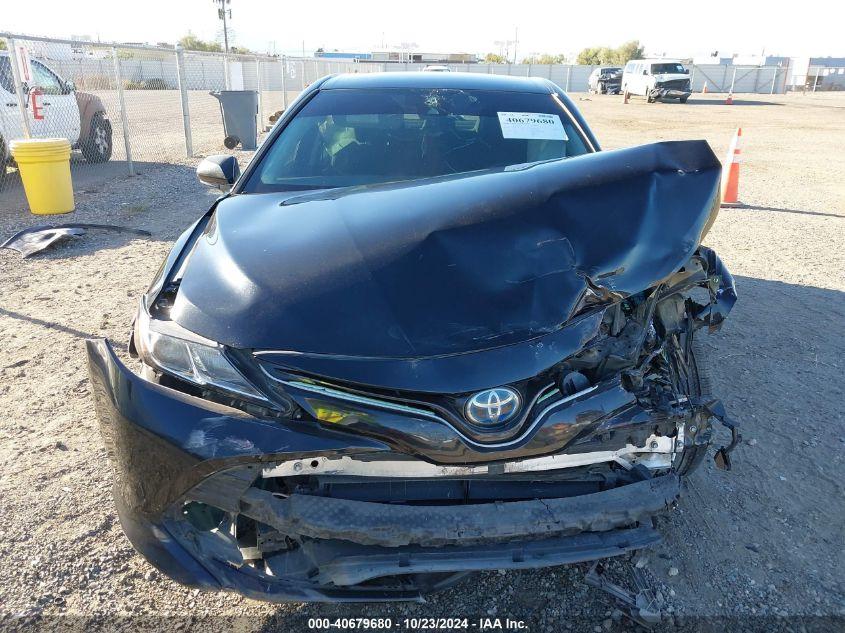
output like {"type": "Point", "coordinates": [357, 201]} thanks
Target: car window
{"type": "Point", "coordinates": [6, 81]}
{"type": "Point", "coordinates": [45, 80]}
{"type": "Point", "coordinates": [356, 137]}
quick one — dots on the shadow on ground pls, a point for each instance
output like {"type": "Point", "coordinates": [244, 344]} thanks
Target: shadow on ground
{"type": "Point", "coordinates": [737, 101]}
{"type": "Point", "coordinates": [163, 199]}
{"type": "Point", "coordinates": [780, 210]}
{"type": "Point", "coordinates": [87, 177]}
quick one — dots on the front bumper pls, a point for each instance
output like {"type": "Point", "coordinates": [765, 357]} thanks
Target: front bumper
{"type": "Point", "coordinates": [169, 449]}
{"type": "Point", "coordinates": [611, 86]}
{"type": "Point", "coordinates": [669, 93]}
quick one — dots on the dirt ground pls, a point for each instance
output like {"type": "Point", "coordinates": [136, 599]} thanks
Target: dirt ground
{"type": "Point", "coordinates": [760, 546]}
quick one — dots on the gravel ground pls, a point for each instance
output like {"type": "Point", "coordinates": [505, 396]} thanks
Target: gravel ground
{"type": "Point", "coordinates": [760, 546]}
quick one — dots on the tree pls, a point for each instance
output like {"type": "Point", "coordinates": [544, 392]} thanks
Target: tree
{"type": "Point", "coordinates": [493, 58]}
{"type": "Point", "coordinates": [588, 57]}
{"type": "Point", "coordinates": [191, 42]}
{"type": "Point", "coordinates": [628, 51]}
{"type": "Point", "coordinates": [545, 59]}
{"type": "Point", "coordinates": [604, 55]}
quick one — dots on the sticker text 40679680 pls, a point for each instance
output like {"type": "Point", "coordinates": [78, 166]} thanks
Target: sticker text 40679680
{"type": "Point", "coordinates": [532, 125]}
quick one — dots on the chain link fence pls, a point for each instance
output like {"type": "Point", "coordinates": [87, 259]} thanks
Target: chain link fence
{"type": "Point", "coordinates": [125, 107]}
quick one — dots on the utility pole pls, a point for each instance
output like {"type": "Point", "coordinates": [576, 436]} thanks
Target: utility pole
{"type": "Point", "coordinates": [515, 42]}
{"type": "Point", "coordinates": [221, 15]}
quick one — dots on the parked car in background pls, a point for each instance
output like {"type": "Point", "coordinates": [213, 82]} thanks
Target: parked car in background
{"type": "Point", "coordinates": [656, 79]}
{"type": "Point", "coordinates": [606, 80]}
{"type": "Point", "coordinates": [60, 112]}
{"type": "Point", "coordinates": [431, 329]}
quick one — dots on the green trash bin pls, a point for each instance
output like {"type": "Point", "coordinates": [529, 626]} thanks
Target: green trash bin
{"type": "Point", "coordinates": [240, 117]}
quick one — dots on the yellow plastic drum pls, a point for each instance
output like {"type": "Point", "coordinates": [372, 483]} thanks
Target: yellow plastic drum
{"type": "Point", "coordinates": [44, 164]}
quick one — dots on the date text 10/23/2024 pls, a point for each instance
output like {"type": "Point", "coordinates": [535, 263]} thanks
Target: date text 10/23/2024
{"type": "Point", "coordinates": [417, 624]}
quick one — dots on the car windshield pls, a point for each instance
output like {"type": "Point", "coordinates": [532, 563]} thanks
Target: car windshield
{"type": "Point", "coordinates": [610, 71]}
{"type": "Point", "coordinates": [343, 138]}
{"type": "Point", "coordinates": [659, 69]}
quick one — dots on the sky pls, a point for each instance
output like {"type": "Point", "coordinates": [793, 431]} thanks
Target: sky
{"type": "Point", "coordinates": [682, 29]}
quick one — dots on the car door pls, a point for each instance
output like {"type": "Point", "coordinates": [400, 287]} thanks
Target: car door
{"type": "Point", "coordinates": [11, 126]}
{"type": "Point", "coordinates": [639, 79]}
{"type": "Point", "coordinates": [58, 105]}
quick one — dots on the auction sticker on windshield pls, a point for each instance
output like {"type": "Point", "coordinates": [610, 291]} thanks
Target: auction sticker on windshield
{"type": "Point", "coordinates": [532, 125]}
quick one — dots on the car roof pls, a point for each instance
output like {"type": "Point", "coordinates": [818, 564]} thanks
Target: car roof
{"type": "Point", "coordinates": [456, 81]}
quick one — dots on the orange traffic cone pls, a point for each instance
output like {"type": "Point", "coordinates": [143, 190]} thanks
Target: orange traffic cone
{"type": "Point", "coordinates": [704, 88]}
{"type": "Point", "coordinates": [730, 99]}
{"type": "Point", "coordinates": [626, 97]}
{"type": "Point", "coordinates": [730, 172]}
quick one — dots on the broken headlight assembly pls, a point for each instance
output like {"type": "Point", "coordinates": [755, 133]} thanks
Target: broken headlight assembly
{"type": "Point", "coordinates": [168, 348]}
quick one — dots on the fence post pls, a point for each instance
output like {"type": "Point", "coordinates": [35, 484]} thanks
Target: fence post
{"type": "Point", "coordinates": [13, 62]}
{"type": "Point", "coordinates": [733, 80]}
{"type": "Point", "coordinates": [284, 62]}
{"type": "Point", "coordinates": [774, 79]}
{"type": "Point", "coordinates": [225, 71]}
{"type": "Point", "coordinates": [692, 79]}
{"type": "Point", "coordinates": [183, 94]}
{"type": "Point", "coordinates": [816, 80]}
{"type": "Point", "coordinates": [124, 121]}
{"type": "Point", "coordinates": [260, 98]}
{"type": "Point", "coordinates": [568, 76]}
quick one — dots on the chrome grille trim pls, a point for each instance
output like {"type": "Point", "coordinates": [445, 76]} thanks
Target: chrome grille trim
{"type": "Point", "coordinates": [339, 394]}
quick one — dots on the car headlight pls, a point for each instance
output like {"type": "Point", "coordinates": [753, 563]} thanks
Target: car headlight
{"type": "Point", "coordinates": [170, 348]}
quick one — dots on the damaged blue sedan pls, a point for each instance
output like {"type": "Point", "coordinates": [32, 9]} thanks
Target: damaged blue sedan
{"type": "Point", "coordinates": [431, 329]}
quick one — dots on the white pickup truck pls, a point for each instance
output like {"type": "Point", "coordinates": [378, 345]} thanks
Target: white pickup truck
{"type": "Point", "coordinates": [60, 112]}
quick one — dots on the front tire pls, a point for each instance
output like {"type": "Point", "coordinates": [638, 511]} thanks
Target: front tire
{"type": "Point", "coordinates": [683, 99]}
{"type": "Point", "coordinates": [97, 147]}
{"type": "Point", "coordinates": [698, 386]}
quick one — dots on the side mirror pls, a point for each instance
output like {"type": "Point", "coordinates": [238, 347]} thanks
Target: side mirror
{"type": "Point", "coordinates": [219, 171]}
{"type": "Point", "coordinates": [645, 72]}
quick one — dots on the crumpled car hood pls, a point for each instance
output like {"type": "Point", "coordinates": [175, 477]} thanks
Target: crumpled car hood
{"type": "Point", "coordinates": [449, 265]}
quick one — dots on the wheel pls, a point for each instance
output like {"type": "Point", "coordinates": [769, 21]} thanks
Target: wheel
{"type": "Point", "coordinates": [97, 147]}
{"type": "Point", "coordinates": [649, 98]}
{"type": "Point", "coordinates": [602, 89]}
{"type": "Point", "coordinates": [698, 385]}
{"type": "Point", "coordinates": [683, 99]}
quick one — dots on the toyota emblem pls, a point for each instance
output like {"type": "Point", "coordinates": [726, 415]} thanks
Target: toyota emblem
{"type": "Point", "coordinates": [493, 406]}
